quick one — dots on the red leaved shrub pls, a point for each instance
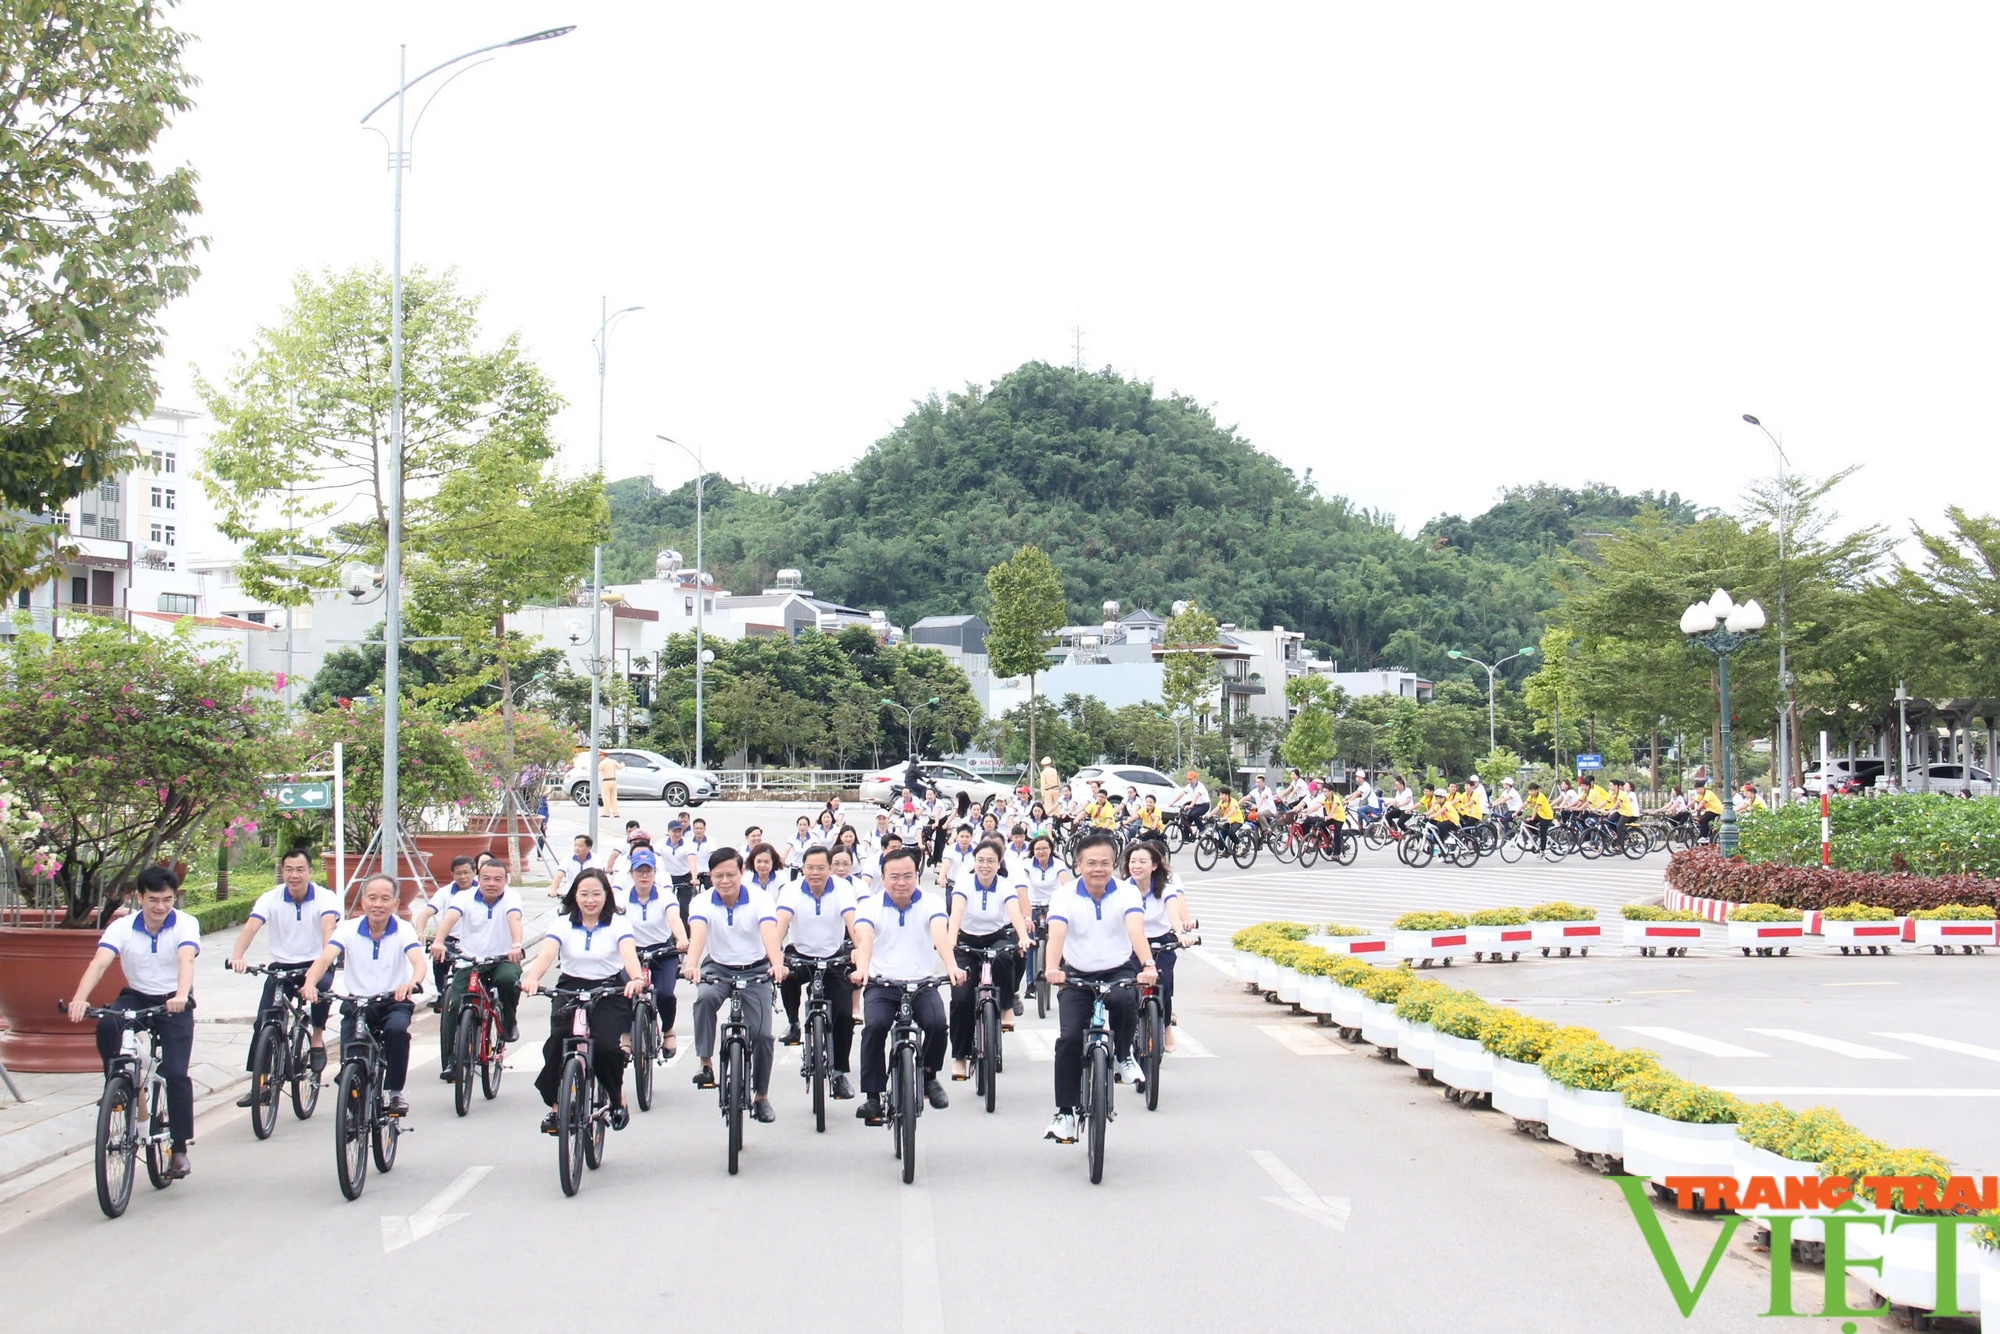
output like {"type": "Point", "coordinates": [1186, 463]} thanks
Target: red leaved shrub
{"type": "Point", "coordinates": [1710, 875]}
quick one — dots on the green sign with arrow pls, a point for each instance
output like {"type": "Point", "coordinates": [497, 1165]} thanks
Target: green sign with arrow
{"type": "Point", "coordinates": [301, 796]}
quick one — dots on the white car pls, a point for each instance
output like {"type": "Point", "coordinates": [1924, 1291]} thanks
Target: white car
{"type": "Point", "coordinates": [1117, 777]}
{"type": "Point", "coordinates": [949, 778]}
{"type": "Point", "coordinates": [1952, 779]}
{"type": "Point", "coordinates": [647, 775]}
{"type": "Point", "coordinates": [1866, 770]}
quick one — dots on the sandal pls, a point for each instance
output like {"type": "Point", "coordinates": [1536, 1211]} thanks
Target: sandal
{"type": "Point", "coordinates": [959, 1073]}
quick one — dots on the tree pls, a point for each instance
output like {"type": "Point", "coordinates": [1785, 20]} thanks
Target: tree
{"type": "Point", "coordinates": [1027, 607]}
{"type": "Point", "coordinates": [1309, 746]}
{"type": "Point", "coordinates": [93, 246]}
{"type": "Point", "coordinates": [1551, 691]}
{"type": "Point", "coordinates": [1188, 673]}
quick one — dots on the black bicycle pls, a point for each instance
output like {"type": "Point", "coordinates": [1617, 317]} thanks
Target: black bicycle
{"type": "Point", "coordinates": [816, 1055]}
{"type": "Point", "coordinates": [1038, 950]}
{"type": "Point", "coordinates": [479, 1043]}
{"type": "Point", "coordinates": [986, 1056]}
{"type": "Point", "coordinates": [133, 1086]}
{"type": "Point", "coordinates": [906, 1083]}
{"type": "Point", "coordinates": [583, 1109]}
{"type": "Point", "coordinates": [281, 1052]}
{"type": "Point", "coordinates": [646, 1036]}
{"type": "Point", "coordinates": [732, 1056]}
{"type": "Point", "coordinates": [1151, 1037]}
{"type": "Point", "coordinates": [362, 1121]}
{"type": "Point", "coordinates": [1097, 1113]}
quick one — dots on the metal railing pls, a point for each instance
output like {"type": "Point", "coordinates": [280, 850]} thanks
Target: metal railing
{"type": "Point", "coordinates": [735, 781]}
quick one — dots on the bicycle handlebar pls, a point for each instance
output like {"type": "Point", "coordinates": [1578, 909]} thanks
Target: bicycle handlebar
{"type": "Point", "coordinates": [587, 995]}
{"type": "Point", "coordinates": [276, 969]}
{"type": "Point", "coordinates": [355, 1002]}
{"type": "Point", "coordinates": [736, 981]}
{"type": "Point", "coordinates": [130, 1018]}
{"type": "Point", "coordinates": [908, 984]}
{"type": "Point", "coordinates": [1097, 985]}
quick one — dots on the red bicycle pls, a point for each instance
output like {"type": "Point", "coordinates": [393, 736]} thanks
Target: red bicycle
{"type": "Point", "coordinates": [477, 1045]}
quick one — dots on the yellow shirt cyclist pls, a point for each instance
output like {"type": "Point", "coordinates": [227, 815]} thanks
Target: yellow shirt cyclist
{"type": "Point", "coordinates": [1228, 810]}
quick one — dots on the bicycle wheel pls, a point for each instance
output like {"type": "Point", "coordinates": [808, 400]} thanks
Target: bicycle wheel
{"type": "Point", "coordinates": [305, 1080]}
{"type": "Point", "coordinates": [1244, 853]}
{"type": "Point", "coordinates": [350, 1128]}
{"type": "Point", "coordinates": [1308, 852]}
{"type": "Point", "coordinates": [820, 1051]}
{"type": "Point", "coordinates": [737, 1088]}
{"type": "Point", "coordinates": [1152, 1049]}
{"type": "Point", "coordinates": [645, 1049]}
{"type": "Point", "coordinates": [1041, 987]}
{"type": "Point", "coordinates": [464, 1058]}
{"type": "Point", "coordinates": [156, 1141]}
{"type": "Point", "coordinates": [1175, 837]}
{"type": "Point", "coordinates": [906, 1129]}
{"type": "Point", "coordinates": [1098, 1092]}
{"type": "Point", "coordinates": [989, 1059]}
{"type": "Point", "coordinates": [1282, 845]}
{"type": "Point", "coordinates": [1350, 848]}
{"type": "Point", "coordinates": [571, 1113]}
{"type": "Point", "coordinates": [1513, 849]}
{"type": "Point", "coordinates": [267, 1077]}
{"type": "Point", "coordinates": [1464, 853]}
{"type": "Point", "coordinates": [1206, 851]}
{"type": "Point", "coordinates": [117, 1145]}
{"type": "Point", "coordinates": [598, 1100]}
{"type": "Point", "coordinates": [1375, 835]}
{"type": "Point", "coordinates": [1417, 850]}
{"type": "Point", "coordinates": [383, 1138]}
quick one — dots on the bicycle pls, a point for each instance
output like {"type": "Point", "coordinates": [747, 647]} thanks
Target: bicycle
{"type": "Point", "coordinates": [1038, 947]}
{"type": "Point", "coordinates": [133, 1077]}
{"type": "Point", "coordinates": [1096, 1112]}
{"type": "Point", "coordinates": [732, 1055]}
{"type": "Point", "coordinates": [281, 1053]}
{"type": "Point", "coordinates": [987, 1061]}
{"type": "Point", "coordinates": [1428, 844]}
{"type": "Point", "coordinates": [906, 1085]}
{"type": "Point", "coordinates": [1150, 1040]}
{"type": "Point", "coordinates": [1318, 842]}
{"type": "Point", "coordinates": [583, 1110]}
{"type": "Point", "coordinates": [362, 1122]}
{"type": "Point", "coordinates": [816, 1056]}
{"type": "Point", "coordinates": [646, 1036]}
{"type": "Point", "coordinates": [477, 1045]}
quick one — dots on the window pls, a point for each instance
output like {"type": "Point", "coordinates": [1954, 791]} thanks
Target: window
{"type": "Point", "coordinates": [169, 531]}
{"type": "Point", "coordinates": [107, 527]}
{"type": "Point", "coordinates": [157, 458]}
{"type": "Point", "coordinates": [688, 606]}
{"type": "Point", "coordinates": [170, 498]}
{"type": "Point", "coordinates": [180, 604]}
{"type": "Point", "coordinates": [156, 534]}
{"type": "Point", "coordinates": [108, 491]}
{"type": "Point", "coordinates": [170, 461]}
{"type": "Point", "coordinates": [254, 617]}
{"type": "Point", "coordinates": [87, 521]}
{"type": "Point", "coordinates": [159, 497]}
{"type": "Point", "coordinates": [163, 461]}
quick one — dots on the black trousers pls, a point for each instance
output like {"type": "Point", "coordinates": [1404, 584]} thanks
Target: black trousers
{"type": "Point", "coordinates": [839, 999]}
{"type": "Point", "coordinates": [610, 1020]}
{"type": "Point", "coordinates": [176, 1045]}
{"type": "Point", "coordinates": [1192, 817]}
{"type": "Point", "coordinates": [878, 1007]}
{"type": "Point", "coordinates": [290, 982]}
{"type": "Point", "coordinates": [1163, 959]}
{"type": "Point", "coordinates": [1074, 1003]}
{"type": "Point", "coordinates": [683, 895]}
{"type": "Point", "coordinates": [1541, 828]}
{"type": "Point", "coordinates": [965, 995]}
{"type": "Point", "coordinates": [389, 1020]}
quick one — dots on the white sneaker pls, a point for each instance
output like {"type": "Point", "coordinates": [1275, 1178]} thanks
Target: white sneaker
{"type": "Point", "coordinates": [1063, 1129]}
{"type": "Point", "coordinates": [1130, 1073]}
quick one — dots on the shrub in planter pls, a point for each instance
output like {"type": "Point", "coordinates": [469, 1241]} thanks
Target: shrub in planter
{"type": "Point", "coordinates": [1857, 1157]}
{"type": "Point", "coordinates": [1386, 985]}
{"type": "Point", "coordinates": [1462, 1015]}
{"type": "Point", "coordinates": [1647, 912]}
{"type": "Point", "coordinates": [1765, 912]}
{"type": "Point", "coordinates": [1348, 971]}
{"type": "Point", "coordinates": [1925, 834]}
{"type": "Point", "coordinates": [1414, 1003]}
{"type": "Point", "coordinates": [1498, 917]}
{"type": "Point", "coordinates": [1336, 929]}
{"type": "Point", "coordinates": [1514, 1036]}
{"type": "Point", "coordinates": [1954, 912]}
{"type": "Point", "coordinates": [1659, 1093]}
{"type": "Point", "coordinates": [1592, 1065]}
{"type": "Point", "coordinates": [1766, 1125]}
{"type": "Point", "coordinates": [1559, 911]}
{"type": "Point", "coordinates": [1859, 912]}
{"type": "Point", "coordinates": [1290, 930]}
{"type": "Point", "coordinates": [1429, 921]}
{"type": "Point", "coordinates": [1814, 1135]}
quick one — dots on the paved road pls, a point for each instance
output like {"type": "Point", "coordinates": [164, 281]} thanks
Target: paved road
{"type": "Point", "coordinates": [1454, 1217]}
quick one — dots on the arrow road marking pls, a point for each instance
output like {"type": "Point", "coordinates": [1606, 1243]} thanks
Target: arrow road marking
{"type": "Point", "coordinates": [399, 1231]}
{"type": "Point", "coordinates": [1300, 1198]}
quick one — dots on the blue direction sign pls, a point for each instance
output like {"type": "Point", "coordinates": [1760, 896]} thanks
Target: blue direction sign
{"type": "Point", "coordinates": [301, 796]}
{"type": "Point", "coordinates": [1589, 762]}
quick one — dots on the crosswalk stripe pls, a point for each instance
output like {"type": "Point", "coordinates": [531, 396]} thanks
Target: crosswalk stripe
{"type": "Point", "coordinates": [1188, 1045]}
{"type": "Point", "coordinates": [1692, 1041]}
{"type": "Point", "coordinates": [1946, 1044]}
{"type": "Point", "coordinates": [1039, 1046]}
{"type": "Point", "coordinates": [1858, 1051]}
{"type": "Point", "coordinates": [1300, 1041]}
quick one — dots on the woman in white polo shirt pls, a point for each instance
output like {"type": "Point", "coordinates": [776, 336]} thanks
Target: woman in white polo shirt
{"type": "Point", "coordinates": [988, 908]}
{"type": "Point", "coordinates": [594, 946]}
{"type": "Point", "coordinates": [1165, 913]}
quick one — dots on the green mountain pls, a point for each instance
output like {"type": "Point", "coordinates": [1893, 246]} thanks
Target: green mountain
{"type": "Point", "coordinates": [1136, 496]}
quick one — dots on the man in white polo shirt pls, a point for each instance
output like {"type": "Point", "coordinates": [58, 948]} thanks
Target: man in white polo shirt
{"type": "Point", "coordinates": [902, 939]}
{"type": "Point", "coordinates": [300, 915]}
{"type": "Point", "coordinates": [1097, 932]}
{"type": "Point", "coordinates": [156, 946]}
{"type": "Point", "coordinates": [816, 915]}
{"type": "Point", "coordinates": [734, 928]}
{"type": "Point", "coordinates": [486, 921]}
{"type": "Point", "coordinates": [384, 964]}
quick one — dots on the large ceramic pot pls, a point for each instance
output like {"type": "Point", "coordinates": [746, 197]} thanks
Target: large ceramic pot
{"type": "Point", "coordinates": [1347, 1003]}
{"type": "Point", "coordinates": [1316, 994]}
{"type": "Point", "coordinates": [1379, 1024]}
{"type": "Point", "coordinates": [1288, 985]}
{"type": "Point", "coordinates": [1416, 1045]}
{"type": "Point", "coordinates": [38, 967]}
{"type": "Point", "coordinates": [441, 848]}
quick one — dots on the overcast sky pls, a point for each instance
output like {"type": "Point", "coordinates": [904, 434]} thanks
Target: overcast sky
{"type": "Point", "coordinates": [1426, 251]}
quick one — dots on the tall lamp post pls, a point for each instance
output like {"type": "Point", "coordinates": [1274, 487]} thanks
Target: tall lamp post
{"type": "Point", "coordinates": [1722, 626]}
{"type": "Point", "coordinates": [1491, 667]}
{"type": "Point", "coordinates": [606, 317]}
{"type": "Point", "coordinates": [1784, 748]}
{"type": "Point", "coordinates": [910, 721]}
{"type": "Point", "coordinates": [392, 559]}
{"type": "Point", "coordinates": [701, 655]}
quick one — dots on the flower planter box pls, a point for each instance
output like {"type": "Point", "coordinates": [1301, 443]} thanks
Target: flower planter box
{"type": "Point", "coordinates": [1766, 938]}
{"type": "Point", "coordinates": [37, 965]}
{"type": "Point", "coordinates": [1416, 1045]}
{"type": "Point", "coordinates": [1662, 938]}
{"type": "Point", "coordinates": [1909, 1266]}
{"type": "Point", "coordinates": [1657, 1147]}
{"type": "Point", "coordinates": [1948, 937]}
{"type": "Point", "coordinates": [1494, 943]}
{"type": "Point", "coordinates": [1244, 965]}
{"type": "Point", "coordinates": [1752, 1161]}
{"type": "Point", "coordinates": [1989, 1284]}
{"type": "Point", "coordinates": [1562, 939]}
{"type": "Point", "coordinates": [1288, 986]}
{"type": "Point", "coordinates": [1587, 1120]}
{"type": "Point", "coordinates": [1463, 1064]}
{"type": "Point", "coordinates": [1347, 1003]}
{"type": "Point", "coordinates": [1267, 975]}
{"type": "Point", "coordinates": [1520, 1090]}
{"type": "Point", "coordinates": [1365, 946]}
{"type": "Point", "coordinates": [1862, 937]}
{"type": "Point", "coordinates": [1316, 994]}
{"type": "Point", "coordinates": [1379, 1024]}
{"type": "Point", "coordinates": [1427, 947]}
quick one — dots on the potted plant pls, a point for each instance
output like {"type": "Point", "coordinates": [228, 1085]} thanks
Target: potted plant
{"type": "Point", "coordinates": [1316, 985]}
{"type": "Point", "coordinates": [1585, 1111]}
{"type": "Point", "coordinates": [1518, 1043]}
{"type": "Point", "coordinates": [134, 749]}
{"type": "Point", "coordinates": [1347, 973]}
{"type": "Point", "coordinates": [1379, 992]}
{"type": "Point", "coordinates": [1861, 928]}
{"type": "Point", "coordinates": [1959, 926]}
{"type": "Point", "coordinates": [1416, 1040]}
{"type": "Point", "coordinates": [1561, 928]}
{"type": "Point", "coordinates": [1288, 957]}
{"type": "Point", "coordinates": [1909, 1251]}
{"type": "Point", "coordinates": [1499, 933]}
{"type": "Point", "coordinates": [1424, 937]}
{"type": "Point", "coordinates": [514, 765]}
{"type": "Point", "coordinates": [1461, 1063]}
{"type": "Point", "coordinates": [1765, 929]}
{"type": "Point", "coordinates": [1337, 939]}
{"type": "Point", "coordinates": [1774, 1141]}
{"type": "Point", "coordinates": [1673, 1127]}
{"type": "Point", "coordinates": [1652, 930]}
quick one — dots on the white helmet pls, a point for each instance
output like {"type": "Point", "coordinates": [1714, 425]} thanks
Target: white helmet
{"type": "Point", "coordinates": [1506, 782]}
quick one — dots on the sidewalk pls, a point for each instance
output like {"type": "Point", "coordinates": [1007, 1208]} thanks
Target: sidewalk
{"type": "Point", "coordinates": [59, 1117]}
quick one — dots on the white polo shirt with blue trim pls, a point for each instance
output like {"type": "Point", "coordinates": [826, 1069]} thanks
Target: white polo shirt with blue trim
{"type": "Point", "coordinates": [904, 950]}
{"type": "Point", "coordinates": [819, 925]}
{"type": "Point", "coordinates": [482, 930]}
{"type": "Point", "coordinates": [292, 926]}
{"type": "Point", "coordinates": [648, 917]}
{"type": "Point", "coordinates": [374, 966]}
{"type": "Point", "coordinates": [1097, 938]}
{"type": "Point", "coordinates": [152, 963]}
{"type": "Point", "coordinates": [735, 933]}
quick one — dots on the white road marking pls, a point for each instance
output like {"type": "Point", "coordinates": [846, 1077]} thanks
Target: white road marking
{"type": "Point", "coordinates": [1039, 1046]}
{"type": "Point", "coordinates": [1861, 1093]}
{"type": "Point", "coordinates": [1858, 1051]}
{"type": "Point", "coordinates": [1692, 1041]}
{"type": "Point", "coordinates": [1212, 960]}
{"type": "Point", "coordinates": [1188, 1045]}
{"type": "Point", "coordinates": [1300, 1041]}
{"type": "Point", "coordinates": [923, 1294]}
{"type": "Point", "coordinates": [1946, 1044]}
{"type": "Point", "coordinates": [400, 1230]}
{"type": "Point", "coordinates": [1300, 1198]}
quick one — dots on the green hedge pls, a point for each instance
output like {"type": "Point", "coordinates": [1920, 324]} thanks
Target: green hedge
{"type": "Point", "coordinates": [1923, 835]}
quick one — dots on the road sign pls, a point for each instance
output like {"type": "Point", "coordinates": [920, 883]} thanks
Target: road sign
{"type": "Point", "coordinates": [301, 796]}
{"type": "Point", "coordinates": [1589, 762]}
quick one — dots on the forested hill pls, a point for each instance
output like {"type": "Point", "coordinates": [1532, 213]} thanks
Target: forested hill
{"type": "Point", "coordinates": [1136, 497]}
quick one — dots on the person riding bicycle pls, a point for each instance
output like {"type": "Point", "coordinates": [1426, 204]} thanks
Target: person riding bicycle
{"type": "Point", "coordinates": [655, 920]}
{"type": "Point", "coordinates": [156, 947]}
{"type": "Point", "coordinates": [1364, 801]}
{"type": "Point", "coordinates": [383, 961]}
{"type": "Point", "coordinates": [487, 919]}
{"type": "Point", "coordinates": [1098, 931]}
{"type": "Point", "coordinates": [734, 928]}
{"type": "Point", "coordinates": [1443, 813]}
{"type": "Point", "coordinates": [1293, 792]}
{"type": "Point", "coordinates": [904, 939]}
{"type": "Point", "coordinates": [1402, 805]}
{"type": "Point", "coordinates": [1330, 815]}
{"type": "Point", "coordinates": [988, 900]}
{"type": "Point", "coordinates": [956, 858]}
{"type": "Point", "coordinates": [1510, 803]}
{"type": "Point", "coordinates": [1165, 912]}
{"type": "Point", "coordinates": [1229, 816]}
{"type": "Point", "coordinates": [427, 909]}
{"type": "Point", "coordinates": [301, 916]}
{"type": "Point", "coordinates": [1625, 807]}
{"type": "Point", "coordinates": [594, 946]}
{"type": "Point", "coordinates": [816, 917]}
{"type": "Point", "coordinates": [1191, 801]}
{"type": "Point", "coordinates": [1708, 806]}
{"type": "Point", "coordinates": [1539, 814]}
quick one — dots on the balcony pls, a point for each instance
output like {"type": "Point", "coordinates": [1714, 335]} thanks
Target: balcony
{"type": "Point", "coordinates": [1234, 687]}
{"type": "Point", "coordinates": [99, 553]}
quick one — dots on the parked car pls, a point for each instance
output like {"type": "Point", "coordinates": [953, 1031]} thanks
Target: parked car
{"type": "Point", "coordinates": [1117, 777]}
{"type": "Point", "coordinates": [1952, 779]}
{"type": "Point", "coordinates": [948, 777]}
{"type": "Point", "coordinates": [1844, 773]}
{"type": "Point", "coordinates": [648, 775]}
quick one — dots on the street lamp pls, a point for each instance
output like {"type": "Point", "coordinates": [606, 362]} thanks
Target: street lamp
{"type": "Point", "coordinates": [1784, 747]}
{"type": "Point", "coordinates": [701, 655]}
{"type": "Point", "coordinates": [910, 721]}
{"type": "Point", "coordinates": [1903, 698]}
{"type": "Point", "coordinates": [605, 319]}
{"type": "Point", "coordinates": [392, 563]}
{"type": "Point", "coordinates": [1179, 752]}
{"type": "Point", "coordinates": [1491, 744]}
{"type": "Point", "coordinates": [1722, 626]}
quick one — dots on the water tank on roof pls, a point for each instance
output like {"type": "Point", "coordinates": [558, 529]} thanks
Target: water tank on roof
{"type": "Point", "coordinates": [1111, 609]}
{"type": "Point", "coordinates": [1180, 608]}
{"type": "Point", "coordinates": [667, 564]}
{"type": "Point", "coordinates": [790, 578]}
